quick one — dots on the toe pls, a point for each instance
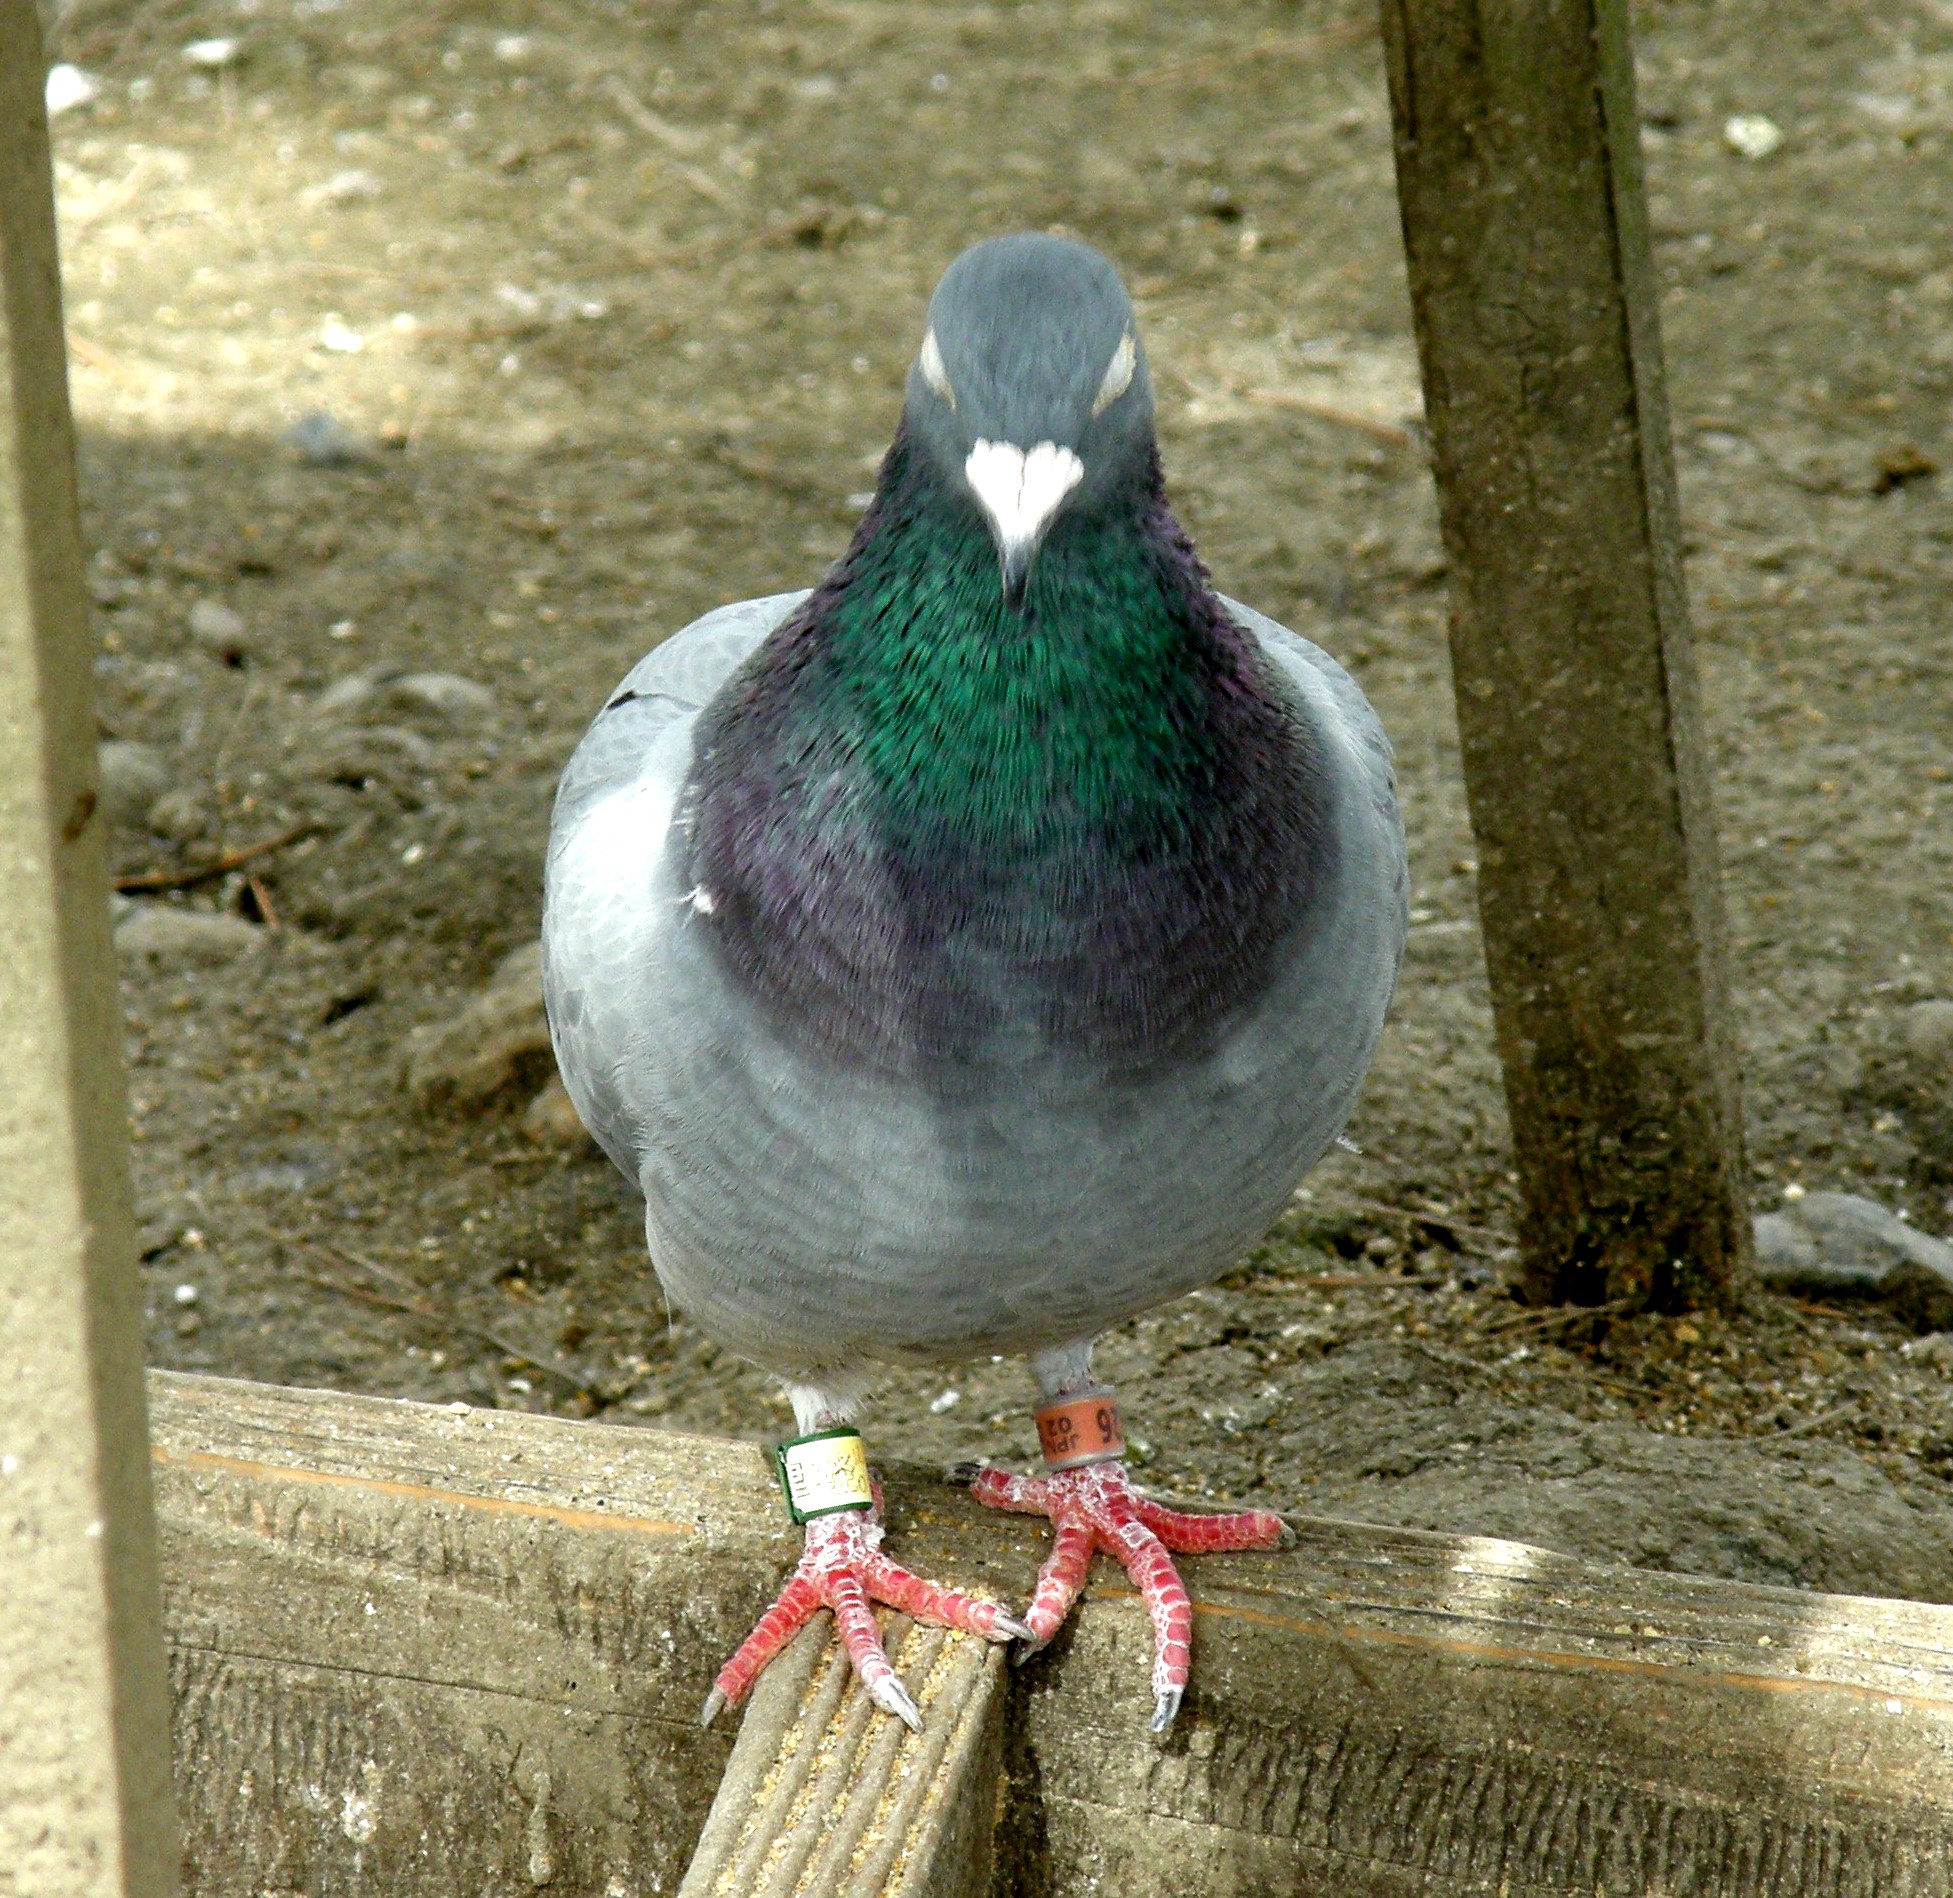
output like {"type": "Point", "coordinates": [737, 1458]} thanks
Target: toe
{"type": "Point", "coordinates": [998, 1489]}
{"type": "Point", "coordinates": [788, 1615]}
{"type": "Point", "coordinates": [1167, 1604]}
{"type": "Point", "coordinates": [1059, 1581]}
{"type": "Point", "coordinates": [848, 1598]}
{"type": "Point", "coordinates": [1186, 1534]}
{"type": "Point", "coordinates": [888, 1581]}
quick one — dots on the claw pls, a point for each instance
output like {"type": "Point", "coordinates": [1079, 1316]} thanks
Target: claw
{"type": "Point", "coordinates": [1009, 1628]}
{"type": "Point", "coordinates": [715, 1705]}
{"type": "Point", "coordinates": [891, 1696]}
{"type": "Point", "coordinates": [1165, 1706]}
{"type": "Point", "coordinates": [962, 1475]}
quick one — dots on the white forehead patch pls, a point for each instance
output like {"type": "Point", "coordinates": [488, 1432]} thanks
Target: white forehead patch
{"type": "Point", "coordinates": [1118, 376]}
{"type": "Point", "coordinates": [930, 362]}
{"type": "Point", "coordinates": [1020, 492]}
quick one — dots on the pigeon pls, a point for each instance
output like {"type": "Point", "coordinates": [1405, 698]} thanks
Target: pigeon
{"type": "Point", "coordinates": [975, 950]}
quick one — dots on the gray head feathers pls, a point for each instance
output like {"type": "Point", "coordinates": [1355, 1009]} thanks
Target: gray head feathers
{"type": "Point", "coordinates": [1030, 389]}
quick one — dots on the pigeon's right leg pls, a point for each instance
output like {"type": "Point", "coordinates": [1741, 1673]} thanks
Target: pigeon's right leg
{"type": "Point", "coordinates": [843, 1570]}
{"type": "Point", "coordinates": [1092, 1505]}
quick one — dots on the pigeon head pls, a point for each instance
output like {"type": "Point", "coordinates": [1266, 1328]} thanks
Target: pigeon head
{"type": "Point", "coordinates": [1030, 392]}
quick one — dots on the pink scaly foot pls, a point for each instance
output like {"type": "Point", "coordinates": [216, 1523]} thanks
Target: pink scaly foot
{"type": "Point", "coordinates": [843, 1569]}
{"type": "Point", "coordinates": [1096, 1507]}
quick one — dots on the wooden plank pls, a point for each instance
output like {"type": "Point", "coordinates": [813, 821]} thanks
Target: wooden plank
{"type": "Point", "coordinates": [1398, 1714]}
{"type": "Point", "coordinates": [825, 1797]}
{"type": "Point", "coordinates": [445, 1651]}
{"type": "Point", "coordinates": [84, 1760]}
{"type": "Point", "coordinates": [429, 1651]}
{"type": "Point", "coordinates": [1519, 177]}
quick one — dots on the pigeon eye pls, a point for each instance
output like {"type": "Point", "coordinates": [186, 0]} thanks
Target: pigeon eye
{"type": "Point", "coordinates": [933, 372]}
{"type": "Point", "coordinates": [1118, 376]}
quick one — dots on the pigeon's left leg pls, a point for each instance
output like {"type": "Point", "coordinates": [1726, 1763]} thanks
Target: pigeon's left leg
{"type": "Point", "coordinates": [824, 1473]}
{"type": "Point", "coordinates": [1093, 1505]}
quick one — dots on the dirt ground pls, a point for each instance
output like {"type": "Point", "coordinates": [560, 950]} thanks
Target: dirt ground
{"type": "Point", "coordinates": [499, 340]}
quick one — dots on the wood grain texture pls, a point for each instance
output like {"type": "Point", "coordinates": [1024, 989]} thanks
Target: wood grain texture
{"type": "Point", "coordinates": [1409, 1714]}
{"type": "Point", "coordinates": [462, 1647]}
{"type": "Point", "coordinates": [1525, 229]}
{"type": "Point", "coordinates": [428, 1651]}
{"type": "Point", "coordinates": [826, 1797]}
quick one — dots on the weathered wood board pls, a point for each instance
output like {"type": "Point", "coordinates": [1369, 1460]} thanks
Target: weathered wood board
{"type": "Point", "coordinates": [421, 1651]}
{"type": "Point", "coordinates": [84, 1753]}
{"type": "Point", "coordinates": [825, 1797]}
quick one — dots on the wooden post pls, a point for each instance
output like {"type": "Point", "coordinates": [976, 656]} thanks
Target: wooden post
{"type": "Point", "coordinates": [1519, 178]}
{"type": "Point", "coordinates": [84, 1753]}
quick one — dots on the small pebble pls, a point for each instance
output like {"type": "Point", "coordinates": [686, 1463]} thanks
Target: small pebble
{"type": "Point", "coordinates": [211, 53]}
{"type": "Point", "coordinates": [220, 631]}
{"type": "Point", "coordinates": [133, 777]}
{"type": "Point", "coordinates": [342, 188]}
{"type": "Point", "coordinates": [347, 694]}
{"type": "Point", "coordinates": [365, 752]}
{"type": "Point", "coordinates": [1750, 135]}
{"type": "Point", "coordinates": [1892, 110]}
{"type": "Point", "coordinates": [162, 934]}
{"type": "Point", "coordinates": [551, 1119]}
{"type": "Point", "coordinates": [454, 698]}
{"type": "Point", "coordinates": [181, 816]}
{"type": "Point", "coordinates": [69, 87]}
{"type": "Point", "coordinates": [1928, 1032]}
{"type": "Point", "coordinates": [323, 441]}
{"type": "Point", "coordinates": [468, 1059]}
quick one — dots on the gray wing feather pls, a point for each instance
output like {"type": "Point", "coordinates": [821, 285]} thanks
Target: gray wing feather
{"type": "Point", "coordinates": [671, 681]}
{"type": "Point", "coordinates": [638, 748]}
{"type": "Point", "coordinates": [1338, 703]}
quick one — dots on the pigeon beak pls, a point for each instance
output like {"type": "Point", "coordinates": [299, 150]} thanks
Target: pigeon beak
{"type": "Point", "coordinates": [1020, 494]}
